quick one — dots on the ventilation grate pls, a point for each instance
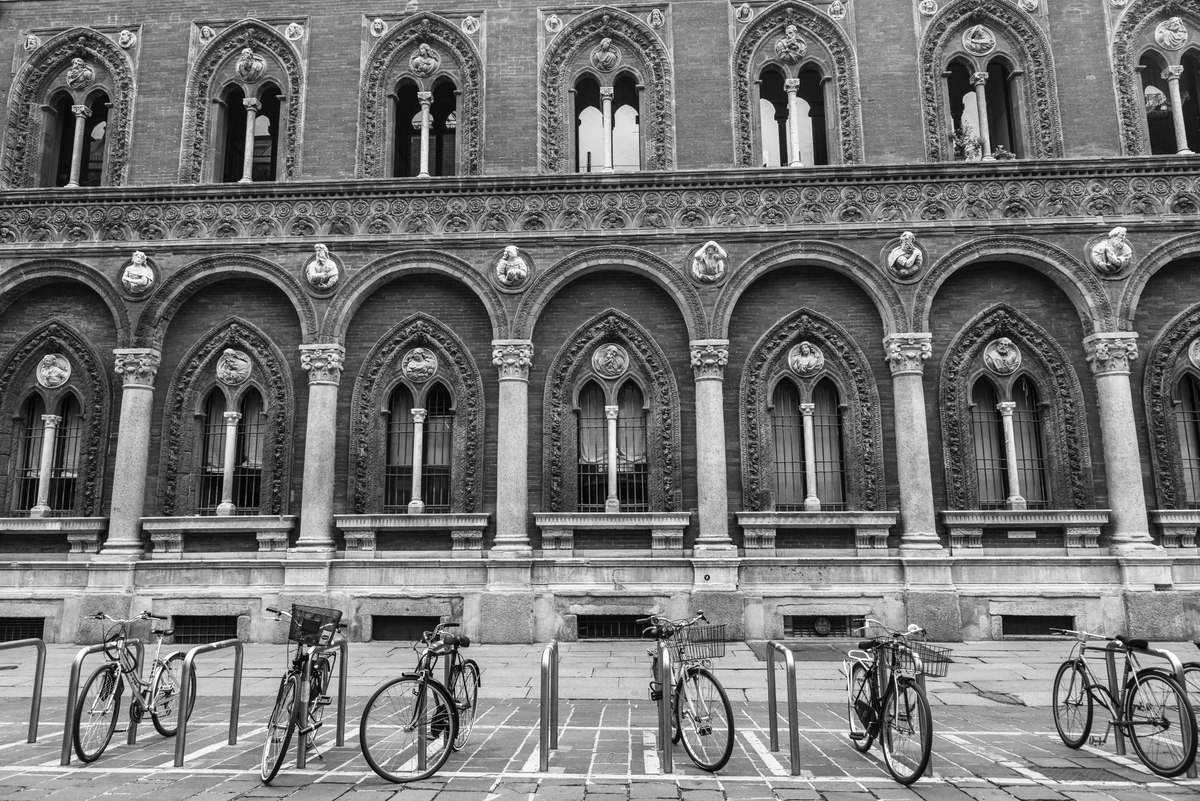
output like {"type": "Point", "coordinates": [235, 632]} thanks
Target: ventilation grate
{"type": "Point", "coordinates": [402, 628]}
{"type": "Point", "coordinates": [204, 628]}
{"type": "Point", "coordinates": [21, 628]}
{"type": "Point", "coordinates": [609, 627]}
{"type": "Point", "coordinates": [821, 625]}
{"type": "Point", "coordinates": [1034, 625]}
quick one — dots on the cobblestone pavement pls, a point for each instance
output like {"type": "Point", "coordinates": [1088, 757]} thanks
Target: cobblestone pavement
{"type": "Point", "coordinates": [995, 738]}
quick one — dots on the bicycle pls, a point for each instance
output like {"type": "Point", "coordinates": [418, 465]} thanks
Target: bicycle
{"type": "Point", "coordinates": [99, 702]}
{"type": "Point", "coordinates": [700, 711]}
{"type": "Point", "coordinates": [411, 723]}
{"type": "Point", "coordinates": [885, 697]}
{"type": "Point", "coordinates": [300, 705]}
{"type": "Point", "coordinates": [1150, 707]}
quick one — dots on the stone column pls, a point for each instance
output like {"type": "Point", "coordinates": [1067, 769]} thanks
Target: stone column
{"type": "Point", "coordinates": [226, 507]}
{"type": "Point", "coordinates": [138, 367]}
{"type": "Point", "coordinates": [811, 502]}
{"type": "Point", "coordinates": [83, 113]}
{"type": "Point", "coordinates": [906, 356]}
{"type": "Point", "coordinates": [417, 506]}
{"type": "Point", "coordinates": [792, 85]}
{"type": "Point", "coordinates": [426, 100]}
{"type": "Point", "coordinates": [709, 357]}
{"type": "Point", "coordinates": [612, 503]}
{"type": "Point", "coordinates": [1015, 499]}
{"type": "Point", "coordinates": [512, 357]}
{"type": "Point", "coordinates": [606, 101]}
{"type": "Point", "coordinates": [252, 107]}
{"type": "Point", "coordinates": [979, 81]}
{"type": "Point", "coordinates": [45, 465]}
{"type": "Point", "coordinates": [1109, 354]}
{"type": "Point", "coordinates": [323, 363]}
{"type": "Point", "coordinates": [1172, 75]}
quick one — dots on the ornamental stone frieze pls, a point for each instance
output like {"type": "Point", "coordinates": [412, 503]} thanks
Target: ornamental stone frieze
{"type": "Point", "coordinates": [323, 363]}
{"type": "Point", "coordinates": [1110, 352]}
{"type": "Point", "coordinates": [137, 366]}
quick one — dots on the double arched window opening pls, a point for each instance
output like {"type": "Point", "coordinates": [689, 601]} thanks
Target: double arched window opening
{"type": "Point", "coordinates": [809, 461]}
{"type": "Point", "coordinates": [1009, 442]}
{"type": "Point", "coordinates": [248, 126]}
{"type": "Point", "coordinates": [233, 446]}
{"type": "Point", "coordinates": [607, 123]}
{"type": "Point", "coordinates": [48, 456]}
{"type": "Point", "coordinates": [613, 470]}
{"type": "Point", "coordinates": [1170, 92]}
{"type": "Point", "coordinates": [76, 141]}
{"type": "Point", "coordinates": [426, 128]}
{"type": "Point", "coordinates": [792, 115]}
{"type": "Point", "coordinates": [984, 107]}
{"type": "Point", "coordinates": [1187, 422]}
{"type": "Point", "coordinates": [419, 458]}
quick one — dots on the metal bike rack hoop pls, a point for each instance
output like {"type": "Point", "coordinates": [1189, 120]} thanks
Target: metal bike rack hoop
{"type": "Point", "coordinates": [35, 705]}
{"type": "Point", "coordinates": [772, 706]}
{"type": "Point", "coordinates": [664, 707]}
{"type": "Point", "coordinates": [306, 680]}
{"type": "Point", "coordinates": [73, 692]}
{"type": "Point", "coordinates": [548, 717]}
{"type": "Point", "coordinates": [185, 690]}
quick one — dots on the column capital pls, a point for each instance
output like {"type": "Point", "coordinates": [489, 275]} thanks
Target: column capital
{"type": "Point", "coordinates": [138, 366]}
{"type": "Point", "coordinates": [252, 104]}
{"type": "Point", "coordinates": [1006, 408]}
{"type": "Point", "coordinates": [1172, 73]}
{"type": "Point", "coordinates": [419, 415]}
{"type": "Point", "coordinates": [513, 357]}
{"type": "Point", "coordinates": [51, 420]}
{"type": "Point", "coordinates": [425, 99]}
{"type": "Point", "coordinates": [1111, 352]}
{"type": "Point", "coordinates": [807, 409]}
{"type": "Point", "coordinates": [907, 353]}
{"type": "Point", "coordinates": [791, 85]}
{"type": "Point", "coordinates": [610, 412]}
{"type": "Point", "coordinates": [978, 78]}
{"type": "Point", "coordinates": [606, 93]}
{"type": "Point", "coordinates": [323, 363]}
{"type": "Point", "coordinates": [81, 111]}
{"type": "Point", "coordinates": [231, 418]}
{"type": "Point", "coordinates": [709, 357]}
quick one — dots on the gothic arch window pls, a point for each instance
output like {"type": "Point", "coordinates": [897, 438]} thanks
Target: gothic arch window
{"type": "Point", "coordinates": [243, 107]}
{"type": "Point", "coordinates": [233, 441]}
{"type": "Point", "coordinates": [45, 480]}
{"type": "Point", "coordinates": [1156, 66]}
{"type": "Point", "coordinates": [616, 56]}
{"type": "Point", "coordinates": [1187, 422]}
{"type": "Point", "coordinates": [1172, 398]}
{"type": "Point", "coordinates": [1000, 413]}
{"type": "Point", "coordinates": [420, 433]}
{"type": "Point", "coordinates": [69, 114]}
{"type": "Point", "coordinates": [987, 85]}
{"type": "Point", "coordinates": [613, 464]}
{"type": "Point", "coordinates": [811, 433]}
{"type": "Point", "coordinates": [422, 82]}
{"type": "Point", "coordinates": [795, 80]}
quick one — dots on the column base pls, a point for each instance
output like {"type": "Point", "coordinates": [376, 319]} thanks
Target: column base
{"type": "Point", "coordinates": [924, 544]}
{"type": "Point", "coordinates": [715, 549]}
{"type": "Point", "coordinates": [120, 552]}
{"type": "Point", "coordinates": [416, 507]}
{"type": "Point", "coordinates": [1137, 547]}
{"type": "Point", "coordinates": [225, 509]}
{"type": "Point", "coordinates": [510, 550]}
{"type": "Point", "coordinates": [39, 511]}
{"type": "Point", "coordinates": [311, 551]}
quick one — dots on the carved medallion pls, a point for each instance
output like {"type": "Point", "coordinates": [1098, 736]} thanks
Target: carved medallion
{"type": "Point", "coordinates": [32, 42]}
{"type": "Point", "coordinates": [378, 27]}
{"type": "Point", "coordinates": [744, 13]}
{"type": "Point", "coordinates": [206, 34]}
{"type": "Point", "coordinates": [655, 19]}
{"type": "Point", "coordinates": [127, 38]}
{"type": "Point", "coordinates": [837, 10]}
{"type": "Point", "coordinates": [1172, 34]}
{"type": "Point", "coordinates": [1110, 255]}
{"type": "Point", "coordinates": [1001, 356]}
{"type": "Point", "coordinates": [610, 361]}
{"type": "Point", "coordinates": [791, 48]}
{"type": "Point", "coordinates": [321, 271]}
{"type": "Point", "coordinates": [512, 268]}
{"type": "Point", "coordinates": [233, 367]}
{"type": "Point", "coordinates": [928, 7]}
{"type": "Point", "coordinates": [1194, 353]}
{"type": "Point", "coordinates": [294, 32]}
{"type": "Point", "coordinates": [79, 74]}
{"type": "Point", "coordinates": [470, 25]}
{"type": "Point", "coordinates": [1029, 6]}
{"type": "Point", "coordinates": [553, 24]}
{"type": "Point", "coordinates": [424, 61]}
{"type": "Point", "coordinates": [138, 276]}
{"type": "Point", "coordinates": [805, 359]}
{"type": "Point", "coordinates": [250, 66]}
{"type": "Point", "coordinates": [709, 263]}
{"type": "Point", "coordinates": [419, 365]}
{"type": "Point", "coordinates": [979, 39]}
{"type": "Point", "coordinates": [606, 56]}
{"type": "Point", "coordinates": [904, 257]}
{"type": "Point", "coordinates": [53, 370]}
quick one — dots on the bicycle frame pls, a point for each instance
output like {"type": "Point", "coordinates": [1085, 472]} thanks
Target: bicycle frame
{"type": "Point", "coordinates": [1100, 692]}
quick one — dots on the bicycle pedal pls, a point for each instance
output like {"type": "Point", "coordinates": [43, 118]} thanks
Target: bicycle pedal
{"type": "Point", "coordinates": [1096, 740]}
{"type": "Point", "coordinates": [858, 735]}
{"type": "Point", "coordinates": [324, 700]}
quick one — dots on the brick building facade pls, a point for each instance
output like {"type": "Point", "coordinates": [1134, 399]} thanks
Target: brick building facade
{"type": "Point", "coordinates": [532, 314]}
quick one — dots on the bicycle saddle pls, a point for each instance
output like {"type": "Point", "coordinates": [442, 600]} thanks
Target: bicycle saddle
{"type": "Point", "coordinates": [160, 632]}
{"type": "Point", "coordinates": [1132, 642]}
{"type": "Point", "coordinates": [867, 645]}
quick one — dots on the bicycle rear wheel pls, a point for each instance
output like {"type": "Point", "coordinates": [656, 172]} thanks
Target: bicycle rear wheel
{"type": "Point", "coordinates": [704, 718]}
{"type": "Point", "coordinates": [906, 732]}
{"type": "Point", "coordinates": [1072, 704]}
{"type": "Point", "coordinates": [859, 711]}
{"type": "Point", "coordinates": [464, 686]}
{"type": "Point", "coordinates": [166, 687]}
{"type": "Point", "coordinates": [1162, 726]}
{"type": "Point", "coordinates": [280, 727]}
{"type": "Point", "coordinates": [96, 712]}
{"type": "Point", "coordinates": [408, 729]}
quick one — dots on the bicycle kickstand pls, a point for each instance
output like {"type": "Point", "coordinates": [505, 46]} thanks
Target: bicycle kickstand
{"type": "Point", "coordinates": [1097, 740]}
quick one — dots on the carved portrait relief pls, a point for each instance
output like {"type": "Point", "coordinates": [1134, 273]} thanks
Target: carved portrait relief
{"type": "Point", "coordinates": [250, 66]}
{"type": "Point", "coordinates": [979, 40]}
{"type": "Point", "coordinates": [233, 367]}
{"type": "Point", "coordinates": [424, 61]}
{"type": "Point", "coordinates": [1171, 34]}
{"type": "Point", "coordinates": [419, 365]}
{"type": "Point", "coordinates": [321, 271]}
{"type": "Point", "coordinates": [127, 38]}
{"type": "Point", "coordinates": [138, 276]}
{"type": "Point", "coordinates": [1194, 353]}
{"type": "Point", "coordinates": [512, 268]}
{"type": "Point", "coordinates": [790, 48]}
{"type": "Point", "coordinates": [606, 56]}
{"type": "Point", "coordinates": [79, 74]}
{"type": "Point", "coordinates": [709, 263]}
{"type": "Point", "coordinates": [610, 361]}
{"type": "Point", "coordinates": [906, 259]}
{"type": "Point", "coordinates": [1001, 356]}
{"type": "Point", "coordinates": [53, 370]}
{"type": "Point", "coordinates": [1112, 254]}
{"type": "Point", "coordinates": [805, 359]}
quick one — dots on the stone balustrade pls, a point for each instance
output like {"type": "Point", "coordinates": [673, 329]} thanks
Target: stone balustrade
{"type": "Point", "coordinates": [83, 533]}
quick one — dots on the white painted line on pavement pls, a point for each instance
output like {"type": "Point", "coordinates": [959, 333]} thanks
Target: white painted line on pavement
{"type": "Point", "coordinates": [1120, 760]}
{"type": "Point", "coordinates": [981, 751]}
{"type": "Point", "coordinates": [531, 764]}
{"type": "Point", "coordinates": [41, 736]}
{"type": "Point", "coordinates": [771, 763]}
{"type": "Point", "coordinates": [650, 752]}
{"type": "Point", "coordinates": [208, 749]}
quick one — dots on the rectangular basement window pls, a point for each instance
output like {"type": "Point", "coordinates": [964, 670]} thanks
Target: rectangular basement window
{"type": "Point", "coordinates": [822, 625]}
{"type": "Point", "coordinates": [1034, 625]}
{"type": "Point", "coordinates": [609, 627]}
{"type": "Point", "coordinates": [21, 628]}
{"type": "Point", "coordinates": [402, 628]}
{"type": "Point", "coordinates": [203, 628]}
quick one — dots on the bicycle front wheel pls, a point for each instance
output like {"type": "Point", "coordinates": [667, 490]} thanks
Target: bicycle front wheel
{"type": "Point", "coordinates": [704, 718]}
{"type": "Point", "coordinates": [906, 732]}
{"type": "Point", "coordinates": [165, 690]}
{"type": "Point", "coordinates": [1072, 704]}
{"type": "Point", "coordinates": [464, 686]}
{"type": "Point", "coordinates": [96, 712]}
{"type": "Point", "coordinates": [280, 727]}
{"type": "Point", "coordinates": [859, 711]}
{"type": "Point", "coordinates": [1161, 724]}
{"type": "Point", "coordinates": [408, 729]}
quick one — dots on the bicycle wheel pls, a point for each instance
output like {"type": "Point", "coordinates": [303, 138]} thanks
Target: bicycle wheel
{"type": "Point", "coordinates": [1161, 724]}
{"type": "Point", "coordinates": [165, 689]}
{"type": "Point", "coordinates": [464, 686]}
{"type": "Point", "coordinates": [408, 729]}
{"type": "Point", "coordinates": [1072, 704]}
{"type": "Point", "coordinates": [859, 712]}
{"type": "Point", "coordinates": [905, 732]}
{"type": "Point", "coordinates": [96, 712]}
{"type": "Point", "coordinates": [280, 727]}
{"type": "Point", "coordinates": [1191, 682]}
{"type": "Point", "coordinates": [705, 718]}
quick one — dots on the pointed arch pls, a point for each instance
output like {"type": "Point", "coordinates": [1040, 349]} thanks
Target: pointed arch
{"type": "Point", "coordinates": [1043, 127]}
{"type": "Point", "coordinates": [380, 375]}
{"type": "Point", "coordinates": [570, 50]}
{"type": "Point", "coordinates": [39, 76]}
{"type": "Point", "coordinates": [1166, 362]}
{"type": "Point", "coordinates": [838, 58]}
{"type": "Point", "coordinates": [89, 381]}
{"type": "Point", "coordinates": [1049, 366]}
{"type": "Point", "coordinates": [30, 275]}
{"type": "Point", "coordinates": [205, 83]}
{"type": "Point", "coordinates": [1180, 247]}
{"type": "Point", "coordinates": [388, 62]}
{"type": "Point", "coordinates": [193, 379]}
{"type": "Point", "coordinates": [850, 371]}
{"type": "Point", "coordinates": [650, 368]}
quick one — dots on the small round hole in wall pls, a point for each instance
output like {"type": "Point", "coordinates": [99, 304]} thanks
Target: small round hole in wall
{"type": "Point", "coordinates": [706, 577]}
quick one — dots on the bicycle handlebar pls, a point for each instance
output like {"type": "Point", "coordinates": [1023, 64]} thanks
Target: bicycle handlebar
{"type": "Point", "coordinates": [142, 616]}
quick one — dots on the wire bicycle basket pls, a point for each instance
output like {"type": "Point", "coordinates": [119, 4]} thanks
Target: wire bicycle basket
{"type": "Point", "coordinates": [313, 625]}
{"type": "Point", "coordinates": [935, 660]}
{"type": "Point", "coordinates": [697, 643]}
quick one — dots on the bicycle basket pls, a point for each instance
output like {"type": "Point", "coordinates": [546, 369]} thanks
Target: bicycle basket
{"type": "Point", "coordinates": [308, 622]}
{"type": "Point", "coordinates": [935, 661]}
{"type": "Point", "coordinates": [695, 643]}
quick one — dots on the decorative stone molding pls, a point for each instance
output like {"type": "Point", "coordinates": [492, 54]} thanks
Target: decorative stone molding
{"type": "Point", "coordinates": [361, 531]}
{"type": "Point", "coordinates": [323, 363]}
{"type": "Point", "coordinates": [870, 528]}
{"type": "Point", "coordinates": [643, 51]}
{"type": "Point", "coordinates": [389, 59]}
{"type": "Point", "coordinates": [83, 533]}
{"type": "Point", "coordinates": [1068, 455]}
{"type": "Point", "coordinates": [862, 433]}
{"type": "Point", "coordinates": [709, 357]}
{"type": "Point", "coordinates": [513, 358]}
{"type": "Point", "coordinates": [1081, 528]}
{"type": "Point", "coordinates": [1033, 54]}
{"type": "Point", "coordinates": [169, 535]}
{"type": "Point", "coordinates": [1166, 361]}
{"type": "Point", "coordinates": [1110, 352]}
{"type": "Point", "coordinates": [137, 367]}
{"type": "Point", "coordinates": [666, 529]}
{"type": "Point", "coordinates": [907, 353]}
{"type": "Point", "coordinates": [1177, 527]}
{"type": "Point", "coordinates": [755, 44]}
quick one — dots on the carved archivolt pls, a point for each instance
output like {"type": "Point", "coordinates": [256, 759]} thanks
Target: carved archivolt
{"type": "Point", "coordinates": [862, 433]}
{"type": "Point", "coordinates": [40, 76]}
{"type": "Point", "coordinates": [753, 50]}
{"type": "Point", "coordinates": [191, 383]}
{"type": "Point", "coordinates": [388, 62]}
{"type": "Point", "coordinates": [1180, 247]}
{"type": "Point", "coordinates": [650, 368]}
{"type": "Point", "coordinates": [90, 382]}
{"type": "Point", "coordinates": [1166, 362]}
{"type": "Point", "coordinates": [1031, 50]}
{"type": "Point", "coordinates": [1064, 425]}
{"type": "Point", "coordinates": [213, 65]}
{"type": "Point", "coordinates": [570, 52]}
{"type": "Point", "coordinates": [380, 373]}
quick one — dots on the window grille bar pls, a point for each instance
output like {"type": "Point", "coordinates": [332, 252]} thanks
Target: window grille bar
{"type": "Point", "coordinates": [29, 438]}
{"type": "Point", "coordinates": [1187, 416]}
{"type": "Point", "coordinates": [830, 468]}
{"type": "Point", "coordinates": [633, 473]}
{"type": "Point", "coordinates": [247, 472]}
{"type": "Point", "coordinates": [990, 473]}
{"type": "Point", "coordinates": [788, 430]}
